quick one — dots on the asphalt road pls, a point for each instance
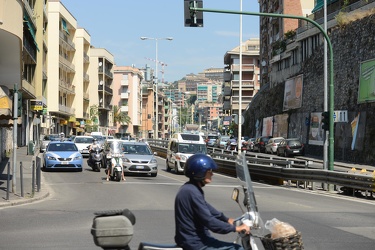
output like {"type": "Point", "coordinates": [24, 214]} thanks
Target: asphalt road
{"type": "Point", "coordinates": [64, 219]}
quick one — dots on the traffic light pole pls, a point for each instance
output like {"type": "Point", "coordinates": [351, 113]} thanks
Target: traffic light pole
{"type": "Point", "coordinates": [15, 118]}
{"type": "Point", "coordinates": [193, 10]}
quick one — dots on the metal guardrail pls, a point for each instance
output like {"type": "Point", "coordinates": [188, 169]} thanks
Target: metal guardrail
{"type": "Point", "coordinates": [278, 170]}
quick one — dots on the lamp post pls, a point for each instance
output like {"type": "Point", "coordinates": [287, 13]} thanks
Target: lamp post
{"type": "Point", "coordinates": [156, 132]}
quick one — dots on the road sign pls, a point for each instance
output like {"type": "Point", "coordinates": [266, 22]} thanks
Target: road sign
{"type": "Point", "coordinates": [340, 116]}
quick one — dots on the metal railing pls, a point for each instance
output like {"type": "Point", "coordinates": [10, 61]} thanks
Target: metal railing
{"type": "Point", "coordinates": [279, 169]}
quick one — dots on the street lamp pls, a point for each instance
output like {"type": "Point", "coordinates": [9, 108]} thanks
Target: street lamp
{"type": "Point", "coordinates": [156, 79]}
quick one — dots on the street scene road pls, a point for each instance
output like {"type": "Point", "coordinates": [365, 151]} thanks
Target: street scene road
{"type": "Point", "coordinates": [63, 220]}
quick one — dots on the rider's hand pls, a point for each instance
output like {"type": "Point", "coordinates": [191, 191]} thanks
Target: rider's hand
{"type": "Point", "coordinates": [243, 228]}
{"type": "Point", "coordinates": [231, 221]}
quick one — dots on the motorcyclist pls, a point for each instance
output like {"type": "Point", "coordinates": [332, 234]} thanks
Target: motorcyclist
{"type": "Point", "coordinates": [92, 148]}
{"type": "Point", "coordinates": [113, 164]}
{"type": "Point", "coordinates": [62, 136]}
{"type": "Point", "coordinates": [194, 217]}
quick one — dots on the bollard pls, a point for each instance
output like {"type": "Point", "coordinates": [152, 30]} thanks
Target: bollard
{"type": "Point", "coordinates": [8, 181]}
{"type": "Point", "coordinates": [38, 174]}
{"type": "Point", "coordinates": [21, 179]}
{"type": "Point", "coordinates": [33, 180]}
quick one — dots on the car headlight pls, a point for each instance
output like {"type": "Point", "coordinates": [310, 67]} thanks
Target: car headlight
{"type": "Point", "coordinates": [79, 157]}
{"type": "Point", "coordinates": [153, 160]}
{"type": "Point", "coordinates": [50, 157]}
{"type": "Point", "coordinates": [184, 158]}
{"type": "Point", "coordinates": [125, 159]}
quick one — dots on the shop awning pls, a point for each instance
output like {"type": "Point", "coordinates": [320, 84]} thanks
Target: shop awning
{"type": "Point", "coordinates": [64, 26]}
{"type": "Point", "coordinates": [5, 105]}
{"type": "Point", "coordinates": [31, 29]}
{"type": "Point", "coordinates": [320, 3]}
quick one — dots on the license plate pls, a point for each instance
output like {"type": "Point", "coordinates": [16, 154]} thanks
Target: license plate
{"type": "Point", "coordinates": [139, 167]}
{"type": "Point", "coordinates": [64, 163]}
{"type": "Point", "coordinates": [85, 151]}
{"type": "Point", "coordinates": [296, 151]}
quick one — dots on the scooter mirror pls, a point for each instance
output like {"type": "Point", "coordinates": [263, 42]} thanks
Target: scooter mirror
{"type": "Point", "coordinates": [235, 194]}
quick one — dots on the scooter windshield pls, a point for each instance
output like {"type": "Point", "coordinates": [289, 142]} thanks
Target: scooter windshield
{"type": "Point", "coordinates": [116, 147]}
{"type": "Point", "coordinates": [243, 176]}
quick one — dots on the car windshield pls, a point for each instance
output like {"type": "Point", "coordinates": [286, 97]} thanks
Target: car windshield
{"type": "Point", "coordinates": [212, 137]}
{"type": "Point", "coordinates": [62, 147]}
{"type": "Point", "coordinates": [191, 148]}
{"type": "Point", "coordinates": [50, 137]}
{"type": "Point", "coordinates": [136, 149]}
{"type": "Point", "coordinates": [98, 137]}
{"type": "Point", "coordinates": [224, 138]}
{"type": "Point", "coordinates": [294, 143]}
{"type": "Point", "coordinates": [83, 140]}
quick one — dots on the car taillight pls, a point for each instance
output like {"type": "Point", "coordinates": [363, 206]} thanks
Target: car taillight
{"type": "Point", "coordinates": [261, 143]}
{"type": "Point", "coordinates": [273, 144]}
{"type": "Point", "coordinates": [287, 146]}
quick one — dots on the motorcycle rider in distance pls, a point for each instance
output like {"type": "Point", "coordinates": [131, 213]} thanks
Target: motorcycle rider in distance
{"type": "Point", "coordinates": [92, 147]}
{"type": "Point", "coordinates": [113, 164]}
{"type": "Point", "coordinates": [194, 217]}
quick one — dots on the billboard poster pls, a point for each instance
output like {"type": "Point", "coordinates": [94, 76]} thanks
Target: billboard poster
{"type": "Point", "coordinates": [293, 93]}
{"type": "Point", "coordinates": [316, 132]}
{"type": "Point", "coordinates": [366, 90]}
{"type": "Point", "coordinates": [267, 126]}
{"type": "Point", "coordinates": [280, 126]}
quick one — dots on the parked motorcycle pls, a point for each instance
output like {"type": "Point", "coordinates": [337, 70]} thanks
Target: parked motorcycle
{"type": "Point", "coordinates": [95, 160]}
{"type": "Point", "coordinates": [115, 170]}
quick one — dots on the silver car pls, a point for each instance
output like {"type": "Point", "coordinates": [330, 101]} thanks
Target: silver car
{"type": "Point", "coordinates": [46, 140]}
{"type": "Point", "coordinates": [138, 158]}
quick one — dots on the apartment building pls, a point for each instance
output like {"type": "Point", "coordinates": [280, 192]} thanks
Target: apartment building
{"type": "Point", "coordinates": [127, 97]}
{"type": "Point", "coordinates": [101, 82]}
{"type": "Point", "coordinates": [250, 76]}
{"type": "Point", "coordinates": [272, 30]}
{"type": "Point", "coordinates": [11, 36]}
{"type": "Point", "coordinates": [208, 92]}
{"type": "Point", "coordinates": [61, 68]}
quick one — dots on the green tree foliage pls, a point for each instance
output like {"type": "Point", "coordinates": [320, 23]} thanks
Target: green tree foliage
{"type": "Point", "coordinates": [120, 117]}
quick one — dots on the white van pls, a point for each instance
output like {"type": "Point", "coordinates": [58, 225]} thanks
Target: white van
{"type": "Point", "coordinates": [180, 147]}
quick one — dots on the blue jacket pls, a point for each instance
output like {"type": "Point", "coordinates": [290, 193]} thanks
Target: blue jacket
{"type": "Point", "coordinates": [194, 217]}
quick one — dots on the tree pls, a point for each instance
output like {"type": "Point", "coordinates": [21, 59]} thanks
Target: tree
{"type": "Point", "coordinates": [94, 117]}
{"type": "Point", "coordinates": [120, 117]}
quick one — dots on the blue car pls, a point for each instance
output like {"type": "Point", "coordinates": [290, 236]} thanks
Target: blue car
{"type": "Point", "coordinates": [62, 155]}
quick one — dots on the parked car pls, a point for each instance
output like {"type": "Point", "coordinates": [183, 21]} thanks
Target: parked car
{"type": "Point", "coordinates": [273, 143]}
{"type": "Point", "coordinates": [82, 142]}
{"type": "Point", "coordinates": [62, 155]}
{"type": "Point", "coordinates": [46, 140]}
{"type": "Point", "coordinates": [250, 144]}
{"type": "Point", "coordinates": [260, 144]}
{"type": "Point", "coordinates": [290, 147]}
{"type": "Point", "coordinates": [139, 159]}
{"type": "Point", "coordinates": [211, 139]}
{"type": "Point", "coordinates": [221, 142]}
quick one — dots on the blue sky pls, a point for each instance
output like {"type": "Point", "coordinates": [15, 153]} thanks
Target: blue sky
{"type": "Point", "coordinates": [117, 25]}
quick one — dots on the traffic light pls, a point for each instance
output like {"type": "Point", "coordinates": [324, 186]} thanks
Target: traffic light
{"type": "Point", "coordinates": [325, 120]}
{"type": "Point", "coordinates": [193, 18]}
{"type": "Point", "coordinates": [18, 95]}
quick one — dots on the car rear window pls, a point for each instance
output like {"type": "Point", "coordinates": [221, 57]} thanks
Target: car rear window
{"type": "Point", "coordinates": [190, 137]}
{"type": "Point", "coordinates": [294, 143]}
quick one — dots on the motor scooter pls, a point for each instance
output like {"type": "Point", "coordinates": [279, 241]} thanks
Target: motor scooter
{"type": "Point", "coordinates": [232, 145]}
{"type": "Point", "coordinates": [95, 160]}
{"type": "Point", "coordinates": [114, 229]}
{"type": "Point", "coordinates": [115, 169]}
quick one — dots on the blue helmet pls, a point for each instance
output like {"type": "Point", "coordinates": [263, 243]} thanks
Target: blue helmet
{"type": "Point", "coordinates": [197, 166]}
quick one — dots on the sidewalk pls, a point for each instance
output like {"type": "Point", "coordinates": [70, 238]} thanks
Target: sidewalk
{"type": "Point", "coordinates": [28, 196]}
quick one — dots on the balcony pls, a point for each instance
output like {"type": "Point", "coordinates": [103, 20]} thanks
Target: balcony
{"type": "Point", "coordinates": [245, 84]}
{"type": "Point", "coordinates": [124, 95]}
{"type": "Point", "coordinates": [245, 99]}
{"type": "Point", "coordinates": [107, 72]}
{"type": "Point", "coordinates": [86, 96]}
{"type": "Point", "coordinates": [67, 64]}
{"type": "Point", "coordinates": [68, 87]}
{"type": "Point", "coordinates": [86, 58]}
{"type": "Point", "coordinates": [107, 89]}
{"type": "Point", "coordinates": [66, 110]}
{"type": "Point", "coordinates": [124, 82]}
{"type": "Point", "coordinates": [124, 108]}
{"type": "Point", "coordinates": [65, 38]}
{"type": "Point", "coordinates": [245, 67]}
{"type": "Point", "coordinates": [86, 77]}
